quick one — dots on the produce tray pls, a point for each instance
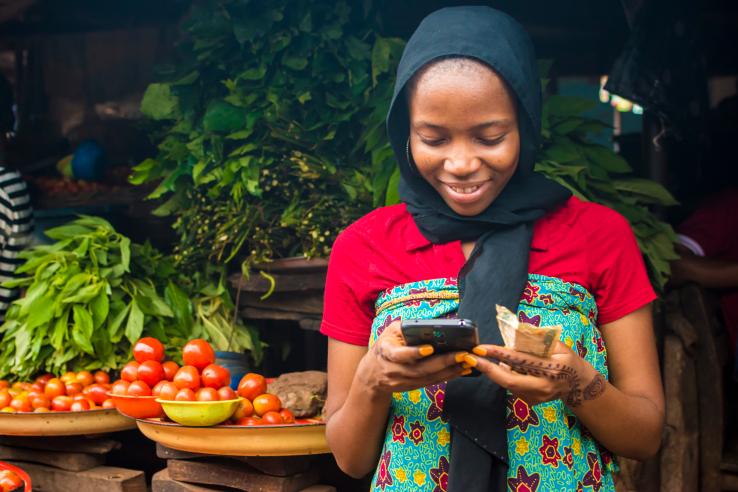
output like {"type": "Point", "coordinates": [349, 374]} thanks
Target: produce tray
{"type": "Point", "coordinates": [301, 438]}
{"type": "Point", "coordinates": [64, 423]}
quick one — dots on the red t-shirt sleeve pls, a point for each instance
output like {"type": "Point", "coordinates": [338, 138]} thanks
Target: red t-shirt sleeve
{"type": "Point", "coordinates": [619, 281]}
{"type": "Point", "coordinates": [347, 307]}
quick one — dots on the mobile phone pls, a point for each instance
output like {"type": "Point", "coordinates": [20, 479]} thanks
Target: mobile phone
{"type": "Point", "coordinates": [445, 335]}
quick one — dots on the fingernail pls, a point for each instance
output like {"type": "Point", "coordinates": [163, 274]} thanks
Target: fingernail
{"type": "Point", "coordinates": [425, 350]}
{"type": "Point", "coordinates": [465, 366]}
{"type": "Point", "coordinates": [466, 372]}
{"type": "Point", "coordinates": [480, 351]}
{"type": "Point", "coordinates": [470, 360]}
{"type": "Point", "coordinates": [460, 356]}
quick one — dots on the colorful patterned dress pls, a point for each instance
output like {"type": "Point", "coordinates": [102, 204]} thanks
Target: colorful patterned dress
{"type": "Point", "coordinates": [548, 449]}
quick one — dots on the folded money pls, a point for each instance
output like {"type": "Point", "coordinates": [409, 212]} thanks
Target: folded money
{"type": "Point", "coordinates": [525, 337]}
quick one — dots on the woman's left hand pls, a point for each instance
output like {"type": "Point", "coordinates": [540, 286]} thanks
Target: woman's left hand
{"type": "Point", "coordinates": [534, 379]}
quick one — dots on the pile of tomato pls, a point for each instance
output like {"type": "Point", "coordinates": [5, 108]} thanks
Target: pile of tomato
{"type": "Point", "coordinates": [9, 481]}
{"type": "Point", "coordinates": [259, 407]}
{"type": "Point", "coordinates": [199, 379]}
{"type": "Point", "coordinates": [74, 392]}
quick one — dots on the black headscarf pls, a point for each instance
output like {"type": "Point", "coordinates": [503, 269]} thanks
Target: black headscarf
{"type": "Point", "coordinates": [497, 269]}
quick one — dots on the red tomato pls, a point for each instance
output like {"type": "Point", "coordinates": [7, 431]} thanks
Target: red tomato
{"type": "Point", "coordinates": [215, 376]}
{"type": "Point", "coordinates": [108, 403]}
{"type": "Point", "coordinates": [96, 393]}
{"type": "Point", "coordinates": [150, 372]}
{"type": "Point", "coordinates": [227, 393]}
{"type": "Point", "coordinates": [198, 353]}
{"type": "Point", "coordinates": [61, 403]}
{"type": "Point", "coordinates": [245, 409]}
{"type": "Point", "coordinates": [73, 389]}
{"type": "Point", "coordinates": [41, 410]}
{"type": "Point", "coordinates": [79, 406]}
{"type": "Point", "coordinates": [120, 387]}
{"type": "Point", "coordinates": [102, 377]}
{"type": "Point", "coordinates": [4, 384]}
{"type": "Point", "coordinates": [170, 369]}
{"type": "Point", "coordinates": [266, 403]}
{"type": "Point", "coordinates": [21, 404]}
{"type": "Point", "coordinates": [129, 372]}
{"type": "Point", "coordinates": [187, 377]}
{"type": "Point", "coordinates": [54, 387]}
{"type": "Point", "coordinates": [40, 401]}
{"type": "Point", "coordinates": [9, 481]}
{"type": "Point", "coordinates": [272, 418]}
{"type": "Point", "coordinates": [287, 416]}
{"type": "Point", "coordinates": [157, 388]}
{"type": "Point", "coordinates": [38, 387]}
{"type": "Point", "coordinates": [85, 378]}
{"type": "Point", "coordinates": [5, 398]}
{"type": "Point", "coordinates": [44, 378]}
{"type": "Point", "coordinates": [252, 385]}
{"type": "Point", "coordinates": [185, 394]}
{"type": "Point", "coordinates": [139, 388]}
{"type": "Point", "coordinates": [148, 348]}
{"type": "Point", "coordinates": [249, 421]}
{"type": "Point", "coordinates": [206, 394]}
{"type": "Point", "coordinates": [168, 390]}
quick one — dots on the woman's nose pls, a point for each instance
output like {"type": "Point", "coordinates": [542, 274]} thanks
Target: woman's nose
{"type": "Point", "coordinates": [462, 162]}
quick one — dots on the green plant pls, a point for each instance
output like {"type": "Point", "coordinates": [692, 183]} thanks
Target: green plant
{"type": "Point", "coordinates": [266, 127]}
{"type": "Point", "coordinates": [89, 296]}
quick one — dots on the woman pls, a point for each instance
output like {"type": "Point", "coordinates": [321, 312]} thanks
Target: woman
{"type": "Point", "coordinates": [477, 227]}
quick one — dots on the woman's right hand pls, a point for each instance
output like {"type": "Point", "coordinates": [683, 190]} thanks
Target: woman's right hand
{"type": "Point", "coordinates": [392, 366]}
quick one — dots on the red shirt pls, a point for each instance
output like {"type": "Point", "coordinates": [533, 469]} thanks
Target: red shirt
{"type": "Point", "coordinates": [579, 242]}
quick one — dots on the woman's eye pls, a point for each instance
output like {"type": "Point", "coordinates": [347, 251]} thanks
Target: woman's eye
{"type": "Point", "coordinates": [434, 142]}
{"type": "Point", "coordinates": [491, 141]}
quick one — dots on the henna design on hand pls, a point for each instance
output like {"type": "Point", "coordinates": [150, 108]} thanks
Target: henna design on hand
{"type": "Point", "coordinates": [595, 388]}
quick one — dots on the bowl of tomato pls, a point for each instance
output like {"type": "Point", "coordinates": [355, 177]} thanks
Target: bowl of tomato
{"type": "Point", "coordinates": [199, 413]}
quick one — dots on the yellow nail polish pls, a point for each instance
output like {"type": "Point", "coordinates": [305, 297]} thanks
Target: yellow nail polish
{"type": "Point", "coordinates": [480, 351]}
{"type": "Point", "coordinates": [470, 360]}
{"type": "Point", "coordinates": [425, 350]}
{"type": "Point", "coordinates": [465, 366]}
{"type": "Point", "coordinates": [460, 356]}
{"type": "Point", "coordinates": [466, 372]}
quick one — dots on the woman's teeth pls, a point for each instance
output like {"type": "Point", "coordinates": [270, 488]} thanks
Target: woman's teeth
{"type": "Point", "coordinates": [465, 190]}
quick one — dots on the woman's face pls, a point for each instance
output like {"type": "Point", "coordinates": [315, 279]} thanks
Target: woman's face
{"type": "Point", "coordinates": [464, 134]}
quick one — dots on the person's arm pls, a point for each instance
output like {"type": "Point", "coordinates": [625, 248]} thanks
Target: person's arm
{"type": "Point", "coordinates": [707, 272]}
{"type": "Point", "coordinates": [625, 414]}
{"type": "Point", "coordinates": [360, 387]}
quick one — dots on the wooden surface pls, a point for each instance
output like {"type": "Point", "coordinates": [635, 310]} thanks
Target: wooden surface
{"type": "Point", "coordinates": [66, 460]}
{"type": "Point", "coordinates": [162, 482]}
{"type": "Point", "coordinates": [226, 473]}
{"type": "Point", "coordinates": [280, 466]}
{"type": "Point", "coordinates": [98, 479]}
{"type": "Point", "coordinates": [92, 445]}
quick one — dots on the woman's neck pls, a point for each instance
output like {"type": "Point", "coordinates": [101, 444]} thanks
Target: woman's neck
{"type": "Point", "coordinates": [467, 248]}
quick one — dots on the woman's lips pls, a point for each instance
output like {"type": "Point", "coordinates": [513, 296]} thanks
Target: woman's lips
{"type": "Point", "coordinates": [466, 193]}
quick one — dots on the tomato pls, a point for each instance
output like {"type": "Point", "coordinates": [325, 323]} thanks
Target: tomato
{"type": "Point", "coordinates": [148, 348]}
{"type": "Point", "coordinates": [40, 401]}
{"type": "Point", "coordinates": [85, 378]}
{"type": "Point", "coordinates": [249, 421]}
{"type": "Point", "coordinates": [167, 390]}
{"type": "Point", "coordinates": [41, 410]}
{"type": "Point", "coordinates": [138, 388]}
{"type": "Point", "coordinates": [287, 416]}
{"type": "Point", "coordinates": [198, 353]}
{"type": "Point", "coordinates": [69, 377]}
{"type": "Point", "coordinates": [245, 409]}
{"type": "Point", "coordinates": [207, 394]}
{"type": "Point", "coordinates": [55, 387]}
{"type": "Point", "coordinates": [185, 394]}
{"type": "Point", "coordinates": [9, 481]}
{"type": "Point", "coordinates": [8, 410]}
{"type": "Point", "coordinates": [21, 404]}
{"type": "Point", "coordinates": [120, 387]}
{"type": "Point", "coordinates": [227, 393]}
{"type": "Point", "coordinates": [38, 387]}
{"type": "Point", "coordinates": [79, 406]}
{"type": "Point", "coordinates": [266, 403]}
{"type": "Point", "coordinates": [150, 372]}
{"type": "Point", "coordinates": [5, 398]}
{"type": "Point", "coordinates": [170, 369]}
{"type": "Point", "coordinates": [4, 384]}
{"type": "Point", "coordinates": [252, 385]}
{"type": "Point", "coordinates": [44, 378]}
{"type": "Point", "coordinates": [129, 372]}
{"type": "Point", "coordinates": [61, 403]}
{"type": "Point", "coordinates": [101, 377]}
{"type": "Point", "coordinates": [108, 403]}
{"type": "Point", "coordinates": [187, 377]}
{"type": "Point", "coordinates": [96, 393]}
{"type": "Point", "coordinates": [215, 376]}
{"type": "Point", "coordinates": [272, 418]}
{"type": "Point", "coordinates": [73, 389]}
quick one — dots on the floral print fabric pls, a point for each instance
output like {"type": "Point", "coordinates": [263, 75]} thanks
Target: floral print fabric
{"type": "Point", "coordinates": [548, 449]}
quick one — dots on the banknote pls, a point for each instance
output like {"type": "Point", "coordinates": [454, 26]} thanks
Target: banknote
{"type": "Point", "coordinates": [525, 337]}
